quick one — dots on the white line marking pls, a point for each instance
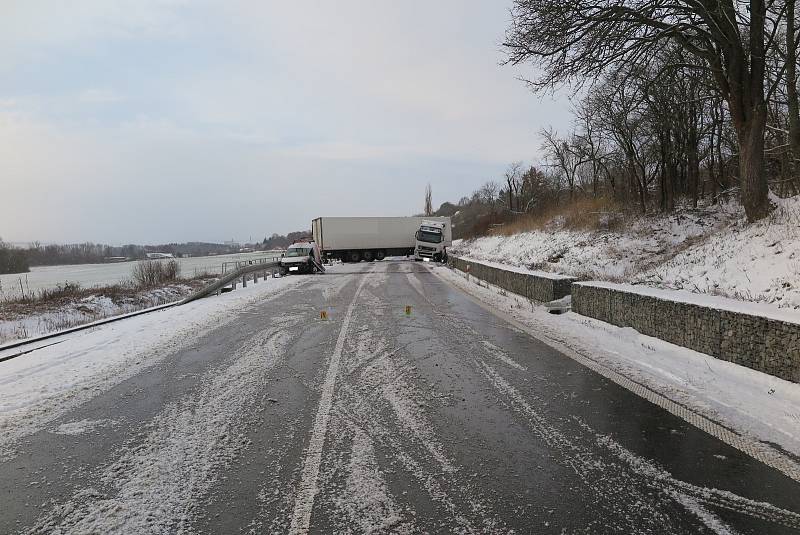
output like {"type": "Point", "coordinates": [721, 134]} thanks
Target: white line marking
{"type": "Point", "coordinates": [304, 502]}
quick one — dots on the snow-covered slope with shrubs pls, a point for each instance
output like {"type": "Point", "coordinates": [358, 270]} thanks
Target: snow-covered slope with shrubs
{"type": "Point", "coordinates": [706, 250]}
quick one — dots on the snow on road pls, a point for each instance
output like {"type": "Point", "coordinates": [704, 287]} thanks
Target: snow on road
{"type": "Point", "coordinates": [753, 403]}
{"type": "Point", "coordinates": [372, 416]}
{"type": "Point", "coordinates": [39, 387]}
{"type": "Point", "coordinates": [155, 486]}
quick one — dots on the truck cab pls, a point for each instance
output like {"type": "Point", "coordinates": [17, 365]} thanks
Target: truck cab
{"type": "Point", "coordinates": [302, 256]}
{"type": "Point", "coordinates": [431, 241]}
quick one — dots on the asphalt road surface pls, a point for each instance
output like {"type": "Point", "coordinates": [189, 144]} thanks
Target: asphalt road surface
{"type": "Point", "coordinates": [438, 418]}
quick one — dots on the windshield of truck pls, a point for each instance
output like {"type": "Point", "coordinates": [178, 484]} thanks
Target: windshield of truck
{"type": "Point", "coordinates": [429, 236]}
{"type": "Point", "coordinates": [299, 251]}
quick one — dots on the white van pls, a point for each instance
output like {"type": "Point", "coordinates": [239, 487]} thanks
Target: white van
{"type": "Point", "coordinates": [301, 257]}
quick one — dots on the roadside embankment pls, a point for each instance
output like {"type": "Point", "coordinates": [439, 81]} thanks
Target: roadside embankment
{"type": "Point", "coordinates": [756, 335]}
{"type": "Point", "coordinates": [709, 250]}
{"type": "Point", "coordinates": [70, 305]}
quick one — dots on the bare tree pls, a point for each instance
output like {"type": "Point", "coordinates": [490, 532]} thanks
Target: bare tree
{"type": "Point", "coordinates": [574, 40]}
{"type": "Point", "coordinates": [513, 177]}
{"type": "Point", "coordinates": [488, 195]}
{"type": "Point", "coordinates": [428, 200]}
{"type": "Point", "coordinates": [565, 156]}
{"type": "Point", "coordinates": [791, 87]}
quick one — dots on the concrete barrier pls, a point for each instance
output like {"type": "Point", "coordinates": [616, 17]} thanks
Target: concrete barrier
{"type": "Point", "coordinates": [535, 285]}
{"type": "Point", "coordinates": [749, 334]}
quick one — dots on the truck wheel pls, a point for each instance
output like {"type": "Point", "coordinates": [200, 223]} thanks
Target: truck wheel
{"type": "Point", "coordinates": [354, 256]}
{"type": "Point", "coordinates": [380, 255]}
{"type": "Point", "coordinates": [368, 256]}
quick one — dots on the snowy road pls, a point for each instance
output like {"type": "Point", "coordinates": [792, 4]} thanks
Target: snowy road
{"type": "Point", "coordinates": [446, 419]}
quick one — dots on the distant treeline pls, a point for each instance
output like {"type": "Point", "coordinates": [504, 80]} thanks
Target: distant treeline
{"type": "Point", "coordinates": [95, 253]}
{"type": "Point", "coordinates": [19, 259]}
{"type": "Point", "coordinates": [12, 260]}
{"type": "Point", "coordinates": [276, 241]}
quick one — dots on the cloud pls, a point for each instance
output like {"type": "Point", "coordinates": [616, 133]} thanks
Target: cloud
{"type": "Point", "coordinates": [100, 96]}
{"type": "Point", "coordinates": [160, 121]}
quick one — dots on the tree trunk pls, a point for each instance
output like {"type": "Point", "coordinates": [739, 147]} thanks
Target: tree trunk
{"type": "Point", "coordinates": [791, 92]}
{"type": "Point", "coordinates": [723, 179]}
{"type": "Point", "coordinates": [752, 182]}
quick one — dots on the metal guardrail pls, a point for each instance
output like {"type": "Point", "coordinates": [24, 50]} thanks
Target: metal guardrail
{"type": "Point", "coordinates": [20, 343]}
{"type": "Point", "coordinates": [237, 264]}
{"type": "Point", "coordinates": [231, 278]}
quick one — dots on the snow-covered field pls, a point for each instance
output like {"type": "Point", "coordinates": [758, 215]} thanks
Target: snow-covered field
{"type": "Point", "coordinates": [31, 320]}
{"type": "Point", "coordinates": [752, 403]}
{"type": "Point", "coordinates": [37, 388]}
{"type": "Point", "coordinates": [708, 250]}
{"type": "Point", "coordinates": [91, 275]}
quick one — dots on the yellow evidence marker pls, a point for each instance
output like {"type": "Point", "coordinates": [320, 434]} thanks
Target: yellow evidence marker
{"type": "Point", "coordinates": [408, 310]}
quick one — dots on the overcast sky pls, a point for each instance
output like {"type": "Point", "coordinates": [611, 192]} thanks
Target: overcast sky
{"type": "Point", "coordinates": [157, 121]}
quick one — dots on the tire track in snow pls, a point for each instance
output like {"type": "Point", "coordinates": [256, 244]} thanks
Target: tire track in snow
{"type": "Point", "coordinates": [661, 479]}
{"type": "Point", "coordinates": [645, 388]}
{"type": "Point", "coordinates": [129, 357]}
{"type": "Point", "coordinates": [154, 487]}
{"type": "Point", "coordinates": [607, 479]}
{"type": "Point", "coordinates": [365, 500]}
{"type": "Point", "coordinates": [576, 458]}
{"type": "Point", "coordinates": [307, 491]}
{"type": "Point", "coordinates": [502, 356]}
{"type": "Point", "coordinates": [485, 346]}
{"type": "Point", "coordinates": [378, 379]}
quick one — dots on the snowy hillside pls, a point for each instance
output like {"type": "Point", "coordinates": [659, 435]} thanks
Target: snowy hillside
{"type": "Point", "coordinates": [707, 250]}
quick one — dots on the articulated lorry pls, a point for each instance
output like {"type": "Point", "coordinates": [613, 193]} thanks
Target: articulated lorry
{"type": "Point", "coordinates": [352, 239]}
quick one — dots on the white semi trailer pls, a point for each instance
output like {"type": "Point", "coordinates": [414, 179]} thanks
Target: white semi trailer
{"type": "Point", "coordinates": [352, 239]}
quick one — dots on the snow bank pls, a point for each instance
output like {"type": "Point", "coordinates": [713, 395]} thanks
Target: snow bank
{"type": "Point", "coordinates": [710, 250]}
{"type": "Point", "coordinates": [758, 262]}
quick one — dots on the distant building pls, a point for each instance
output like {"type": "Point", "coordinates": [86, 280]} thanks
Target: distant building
{"type": "Point", "coordinates": [156, 256]}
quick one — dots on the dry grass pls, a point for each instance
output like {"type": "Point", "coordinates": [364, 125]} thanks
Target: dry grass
{"type": "Point", "coordinates": [580, 214]}
{"type": "Point", "coordinates": [70, 305]}
{"type": "Point", "coordinates": [152, 273]}
{"type": "Point", "coordinates": [67, 293]}
{"type": "Point", "coordinates": [49, 298]}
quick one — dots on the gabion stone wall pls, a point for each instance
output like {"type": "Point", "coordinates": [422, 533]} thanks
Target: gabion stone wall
{"type": "Point", "coordinates": [544, 287]}
{"type": "Point", "coordinates": [764, 344]}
